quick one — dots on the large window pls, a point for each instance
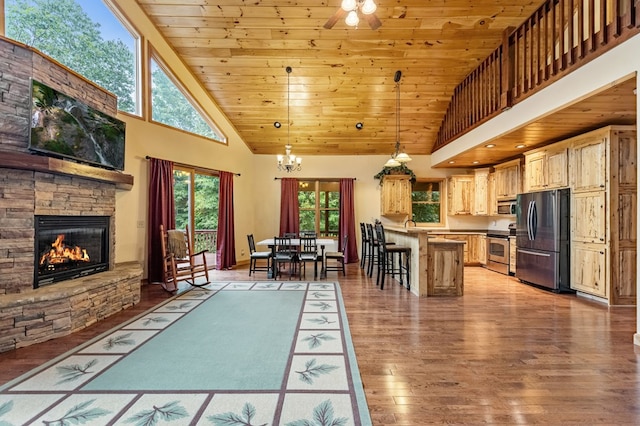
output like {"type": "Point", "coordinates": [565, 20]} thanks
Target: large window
{"type": "Point", "coordinates": [319, 203]}
{"type": "Point", "coordinates": [84, 35]}
{"type": "Point", "coordinates": [426, 202]}
{"type": "Point", "coordinates": [171, 106]}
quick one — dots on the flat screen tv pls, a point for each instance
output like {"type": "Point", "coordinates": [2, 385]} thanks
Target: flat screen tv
{"type": "Point", "coordinates": [62, 126]}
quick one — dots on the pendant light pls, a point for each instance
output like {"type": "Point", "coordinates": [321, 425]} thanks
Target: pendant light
{"type": "Point", "coordinates": [289, 162]}
{"type": "Point", "coordinates": [397, 158]}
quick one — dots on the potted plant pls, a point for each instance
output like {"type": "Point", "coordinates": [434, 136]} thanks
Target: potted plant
{"type": "Point", "coordinates": [402, 169]}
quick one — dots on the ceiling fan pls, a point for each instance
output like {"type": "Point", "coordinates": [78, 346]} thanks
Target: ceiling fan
{"type": "Point", "coordinates": [350, 8]}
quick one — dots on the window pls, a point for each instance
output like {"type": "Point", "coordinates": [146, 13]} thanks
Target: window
{"type": "Point", "coordinates": [171, 106]}
{"type": "Point", "coordinates": [319, 204]}
{"type": "Point", "coordinates": [84, 35]}
{"type": "Point", "coordinates": [426, 202]}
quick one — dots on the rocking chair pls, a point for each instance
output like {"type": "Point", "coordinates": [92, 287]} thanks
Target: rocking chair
{"type": "Point", "coordinates": [179, 261]}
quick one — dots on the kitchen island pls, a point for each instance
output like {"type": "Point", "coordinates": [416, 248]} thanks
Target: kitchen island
{"type": "Point", "coordinates": [436, 263]}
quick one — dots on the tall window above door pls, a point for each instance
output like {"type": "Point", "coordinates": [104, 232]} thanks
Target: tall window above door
{"type": "Point", "coordinates": [88, 36]}
{"type": "Point", "coordinates": [426, 202]}
{"type": "Point", "coordinates": [319, 205]}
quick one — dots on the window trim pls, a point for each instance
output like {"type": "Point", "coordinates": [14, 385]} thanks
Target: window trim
{"type": "Point", "coordinates": [442, 183]}
{"type": "Point", "coordinates": [155, 56]}
{"type": "Point", "coordinates": [138, 54]}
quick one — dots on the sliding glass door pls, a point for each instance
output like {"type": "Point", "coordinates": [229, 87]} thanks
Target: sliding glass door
{"type": "Point", "coordinates": [195, 195]}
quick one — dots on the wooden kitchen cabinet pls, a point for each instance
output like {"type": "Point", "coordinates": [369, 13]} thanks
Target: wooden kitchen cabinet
{"type": "Point", "coordinates": [481, 192]}
{"type": "Point", "coordinates": [588, 217]}
{"type": "Point", "coordinates": [460, 194]}
{"type": "Point", "coordinates": [445, 269]}
{"type": "Point", "coordinates": [589, 161]}
{"type": "Point", "coordinates": [603, 179]}
{"type": "Point", "coordinates": [589, 268]}
{"type": "Point", "coordinates": [396, 196]}
{"type": "Point", "coordinates": [546, 168]}
{"type": "Point", "coordinates": [508, 180]}
{"type": "Point", "coordinates": [482, 249]}
{"type": "Point", "coordinates": [513, 248]}
{"type": "Point", "coordinates": [474, 249]}
{"type": "Point", "coordinates": [492, 201]}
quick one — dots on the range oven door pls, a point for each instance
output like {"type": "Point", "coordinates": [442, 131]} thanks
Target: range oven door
{"type": "Point", "coordinates": [498, 254]}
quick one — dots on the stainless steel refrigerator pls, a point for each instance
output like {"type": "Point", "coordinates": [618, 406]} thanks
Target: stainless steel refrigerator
{"type": "Point", "coordinates": [542, 239]}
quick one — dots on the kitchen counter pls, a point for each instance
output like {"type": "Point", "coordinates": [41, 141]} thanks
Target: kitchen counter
{"type": "Point", "coordinates": [436, 263]}
{"type": "Point", "coordinates": [421, 230]}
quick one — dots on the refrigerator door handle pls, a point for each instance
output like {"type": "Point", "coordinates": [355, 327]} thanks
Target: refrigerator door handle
{"type": "Point", "coordinates": [529, 220]}
{"type": "Point", "coordinates": [534, 220]}
{"type": "Point", "coordinates": [534, 253]}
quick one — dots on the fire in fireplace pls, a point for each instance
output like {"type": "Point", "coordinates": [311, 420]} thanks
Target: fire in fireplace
{"type": "Point", "coordinates": [69, 247]}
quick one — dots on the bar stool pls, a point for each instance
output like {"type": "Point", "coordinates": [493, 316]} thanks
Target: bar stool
{"type": "Point", "coordinates": [386, 260]}
{"type": "Point", "coordinates": [364, 246]}
{"type": "Point", "coordinates": [373, 248]}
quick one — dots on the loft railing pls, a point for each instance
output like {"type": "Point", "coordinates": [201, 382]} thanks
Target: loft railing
{"type": "Point", "coordinates": [559, 37]}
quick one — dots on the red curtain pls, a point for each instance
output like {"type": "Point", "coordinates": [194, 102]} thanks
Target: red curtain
{"type": "Point", "coordinates": [347, 224]}
{"type": "Point", "coordinates": [161, 212]}
{"type": "Point", "coordinates": [289, 221]}
{"type": "Point", "coordinates": [225, 244]}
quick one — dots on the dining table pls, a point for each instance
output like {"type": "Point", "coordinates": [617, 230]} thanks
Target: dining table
{"type": "Point", "coordinates": [321, 242]}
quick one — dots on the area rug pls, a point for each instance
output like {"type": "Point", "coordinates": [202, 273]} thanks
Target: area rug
{"type": "Point", "coordinates": [231, 353]}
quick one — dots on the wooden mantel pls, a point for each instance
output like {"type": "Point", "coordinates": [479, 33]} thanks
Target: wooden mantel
{"type": "Point", "coordinates": [39, 163]}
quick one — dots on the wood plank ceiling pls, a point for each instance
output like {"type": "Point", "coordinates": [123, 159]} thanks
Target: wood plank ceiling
{"type": "Point", "coordinates": [239, 50]}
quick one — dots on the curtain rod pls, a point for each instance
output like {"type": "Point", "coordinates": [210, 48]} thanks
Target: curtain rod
{"type": "Point", "coordinates": [320, 179]}
{"type": "Point", "coordinates": [148, 157]}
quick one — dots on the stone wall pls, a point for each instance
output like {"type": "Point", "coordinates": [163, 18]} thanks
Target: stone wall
{"type": "Point", "coordinates": [68, 306]}
{"type": "Point", "coordinates": [29, 315]}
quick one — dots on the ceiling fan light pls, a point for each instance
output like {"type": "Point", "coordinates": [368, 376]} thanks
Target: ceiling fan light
{"type": "Point", "coordinates": [352, 19]}
{"type": "Point", "coordinates": [403, 157]}
{"type": "Point", "coordinates": [348, 5]}
{"type": "Point", "coordinates": [392, 162]}
{"type": "Point", "coordinates": [368, 7]}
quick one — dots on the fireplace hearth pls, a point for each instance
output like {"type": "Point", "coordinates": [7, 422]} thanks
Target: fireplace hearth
{"type": "Point", "coordinates": [68, 247]}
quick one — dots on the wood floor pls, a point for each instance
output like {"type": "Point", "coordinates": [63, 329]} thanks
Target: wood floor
{"type": "Point", "coordinates": [504, 353]}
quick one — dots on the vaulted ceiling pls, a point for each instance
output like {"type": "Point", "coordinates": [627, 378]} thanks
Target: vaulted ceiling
{"type": "Point", "coordinates": [239, 49]}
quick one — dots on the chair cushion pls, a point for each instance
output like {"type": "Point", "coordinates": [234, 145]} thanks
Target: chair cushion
{"type": "Point", "coordinates": [261, 254]}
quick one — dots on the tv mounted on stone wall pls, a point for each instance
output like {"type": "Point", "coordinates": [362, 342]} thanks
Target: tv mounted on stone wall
{"type": "Point", "coordinates": [64, 127]}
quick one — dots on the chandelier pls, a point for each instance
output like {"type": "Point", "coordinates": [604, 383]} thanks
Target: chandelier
{"type": "Point", "coordinates": [397, 158]}
{"type": "Point", "coordinates": [367, 7]}
{"type": "Point", "coordinates": [288, 162]}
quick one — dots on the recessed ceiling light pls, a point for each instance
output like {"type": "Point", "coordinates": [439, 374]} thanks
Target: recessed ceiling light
{"type": "Point", "coordinates": [475, 162]}
{"type": "Point", "coordinates": [520, 146]}
{"type": "Point", "coordinates": [451, 162]}
{"type": "Point", "coordinates": [277, 124]}
{"type": "Point", "coordinates": [490, 145]}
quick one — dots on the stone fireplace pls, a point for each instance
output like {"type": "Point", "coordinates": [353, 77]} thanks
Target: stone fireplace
{"type": "Point", "coordinates": [41, 304]}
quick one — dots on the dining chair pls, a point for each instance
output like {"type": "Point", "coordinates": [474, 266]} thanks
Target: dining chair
{"type": "Point", "coordinates": [285, 253]}
{"type": "Point", "coordinates": [255, 256]}
{"type": "Point", "coordinates": [308, 254]}
{"type": "Point", "coordinates": [336, 258]}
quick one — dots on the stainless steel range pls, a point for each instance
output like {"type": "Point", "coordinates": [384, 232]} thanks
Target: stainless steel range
{"type": "Point", "coordinates": [498, 250]}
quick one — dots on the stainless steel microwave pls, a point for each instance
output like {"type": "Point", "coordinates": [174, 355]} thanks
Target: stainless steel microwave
{"type": "Point", "coordinates": [507, 207]}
